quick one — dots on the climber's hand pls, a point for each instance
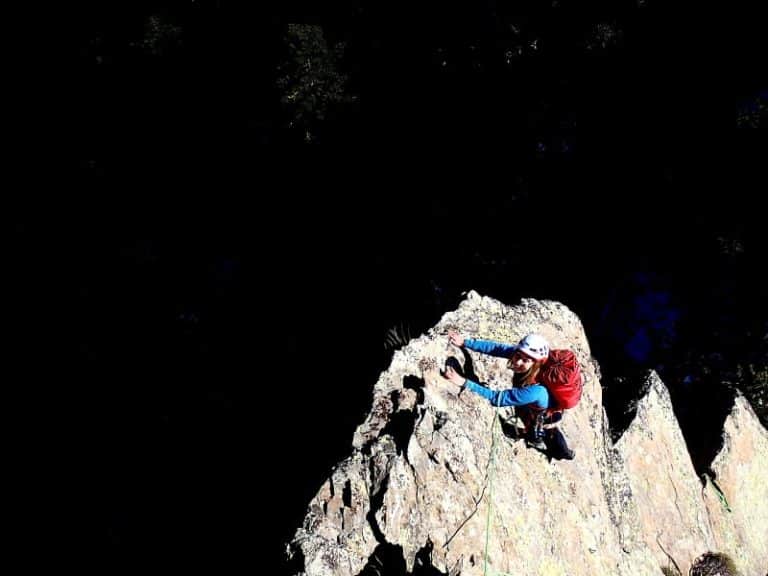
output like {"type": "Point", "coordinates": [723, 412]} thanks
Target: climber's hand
{"type": "Point", "coordinates": [455, 338]}
{"type": "Point", "coordinates": [453, 376]}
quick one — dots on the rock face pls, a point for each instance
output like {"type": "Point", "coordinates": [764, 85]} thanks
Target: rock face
{"type": "Point", "coordinates": [435, 481]}
{"type": "Point", "coordinates": [681, 515]}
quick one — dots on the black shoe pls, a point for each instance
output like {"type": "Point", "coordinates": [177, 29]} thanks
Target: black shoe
{"type": "Point", "coordinates": [536, 444]}
{"type": "Point", "coordinates": [509, 428]}
{"type": "Point", "coordinates": [535, 439]}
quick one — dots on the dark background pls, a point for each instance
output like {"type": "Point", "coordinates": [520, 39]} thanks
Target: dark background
{"type": "Point", "coordinates": [229, 347]}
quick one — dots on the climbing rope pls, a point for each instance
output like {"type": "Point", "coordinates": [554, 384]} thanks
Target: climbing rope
{"type": "Point", "coordinates": [491, 467]}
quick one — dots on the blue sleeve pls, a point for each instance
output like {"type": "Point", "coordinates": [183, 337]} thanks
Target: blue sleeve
{"type": "Point", "coordinates": [490, 347]}
{"type": "Point", "coordinates": [536, 394]}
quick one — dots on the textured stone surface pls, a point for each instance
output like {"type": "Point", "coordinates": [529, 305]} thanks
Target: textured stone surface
{"type": "Point", "coordinates": [672, 515]}
{"type": "Point", "coordinates": [738, 507]}
{"type": "Point", "coordinates": [431, 472]}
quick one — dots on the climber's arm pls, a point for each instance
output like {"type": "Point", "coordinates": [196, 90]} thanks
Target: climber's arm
{"type": "Point", "coordinates": [490, 347]}
{"type": "Point", "coordinates": [536, 394]}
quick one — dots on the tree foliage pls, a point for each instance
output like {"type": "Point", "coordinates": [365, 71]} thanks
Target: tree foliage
{"type": "Point", "coordinates": [160, 35]}
{"type": "Point", "coordinates": [310, 82]}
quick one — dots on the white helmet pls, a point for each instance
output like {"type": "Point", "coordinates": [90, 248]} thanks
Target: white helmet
{"type": "Point", "coordinates": [535, 346]}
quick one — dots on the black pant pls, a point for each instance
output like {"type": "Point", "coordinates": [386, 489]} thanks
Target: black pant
{"type": "Point", "coordinates": [557, 447]}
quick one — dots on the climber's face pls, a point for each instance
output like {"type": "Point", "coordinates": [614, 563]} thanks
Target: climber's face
{"type": "Point", "coordinates": [520, 362]}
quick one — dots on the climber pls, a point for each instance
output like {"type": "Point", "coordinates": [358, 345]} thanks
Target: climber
{"type": "Point", "coordinates": [545, 382]}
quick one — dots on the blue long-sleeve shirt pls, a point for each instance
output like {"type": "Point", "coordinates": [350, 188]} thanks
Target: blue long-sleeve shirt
{"type": "Point", "coordinates": [535, 394]}
{"type": "Point", "coordinates": [490, 347]}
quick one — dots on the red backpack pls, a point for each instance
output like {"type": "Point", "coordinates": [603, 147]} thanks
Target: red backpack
{"type": "Point", "coordinates": [562, 376]}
